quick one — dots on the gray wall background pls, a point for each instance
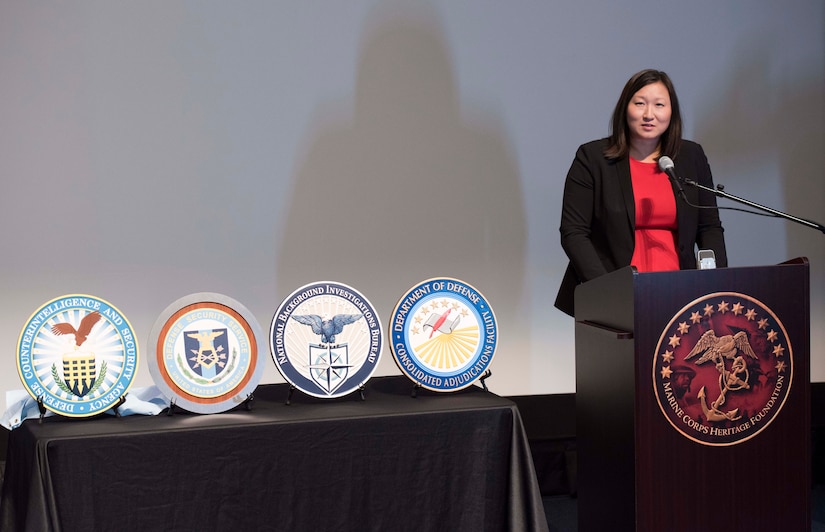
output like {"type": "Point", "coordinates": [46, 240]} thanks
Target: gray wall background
{"type": "Point", "coordinates": [149, 150]}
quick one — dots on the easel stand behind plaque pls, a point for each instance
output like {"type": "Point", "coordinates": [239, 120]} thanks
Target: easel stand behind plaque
{"type": "Point", "coordinates": [483, 380]}
{"type": "Point", "coordinates": [41, 407]}
{"type": "Point", "coordinates": [292, 389]}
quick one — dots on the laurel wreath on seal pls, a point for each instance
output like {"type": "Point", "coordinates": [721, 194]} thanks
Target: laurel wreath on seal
{"type": "Point", "coordinates": [62, 385]}
{"type": "Point", "coordinates": [233, 361]}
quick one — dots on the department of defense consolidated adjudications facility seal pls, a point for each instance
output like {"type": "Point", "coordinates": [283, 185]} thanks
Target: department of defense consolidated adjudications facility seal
{"type": "Point", "coordinates": [723, 369]}
{"type": "Point", "coordinates": [326, 339]}
{"type": "Point", "coordinates": [444, 334]}
{"type": "Point", "coordinates": [78, 355]}
{"type": "Point", "coordinates": [206, 353]}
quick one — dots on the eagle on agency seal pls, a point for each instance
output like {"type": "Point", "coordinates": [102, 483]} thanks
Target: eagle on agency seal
{"type": "Point", "coordinates": [326, 327]}
{"type": "Point", "coordinates": [82, 332]}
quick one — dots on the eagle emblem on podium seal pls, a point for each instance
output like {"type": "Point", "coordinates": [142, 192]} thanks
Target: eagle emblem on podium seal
{"type": "Point", "coordinates": [443, 334]}
{"type": "Point", "coordinates": [723, 368]}
{"type": "Point", "coordinates": [206, 353]}
{"type": "Point", "coordinates": [326, 339]}
{"type": "Point", "coordinates": [77, 355]}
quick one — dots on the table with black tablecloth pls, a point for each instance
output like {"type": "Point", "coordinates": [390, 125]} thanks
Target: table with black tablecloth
{"type": "Point", "coordinates": [456, 461]}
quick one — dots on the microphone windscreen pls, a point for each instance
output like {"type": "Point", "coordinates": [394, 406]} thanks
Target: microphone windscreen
{"type": "Point", "coordinates": [665, 163]}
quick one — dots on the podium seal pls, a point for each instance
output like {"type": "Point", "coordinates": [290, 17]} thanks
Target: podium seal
{"type": "Point", "coordinates": [723, 369]}
{"type": "Point", "coordinates": [77, 355]}
{"type": "Point", "coordinates": [326, 339]}
{"type": "Point", "coordinates": [444, 334]}
{"type": "Point", "coordinates": [206, 353]}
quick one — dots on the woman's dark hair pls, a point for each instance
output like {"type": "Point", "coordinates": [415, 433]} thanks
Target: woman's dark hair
{"type": "Point", "coordinates": [618, 143]}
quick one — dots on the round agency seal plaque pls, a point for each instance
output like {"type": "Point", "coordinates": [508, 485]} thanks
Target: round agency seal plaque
{"type": "Point", "coordinates": [444, 334]}
{"type": "Point", "coordinates": [326, 339]}
{"type": "Point", "coordinates": [78, 355]}
{"type": "Point", "coordinates": [723, 369]}
{"type": "Point", "coordinates": [206, 353]}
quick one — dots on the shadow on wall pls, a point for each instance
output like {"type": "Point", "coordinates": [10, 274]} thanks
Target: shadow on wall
{"type": "Point", "coordinates": [759, 118]}
{"type": "Point", "coordinates": [407, 189]}
{"type": "Point", "coordinates": [755, 118]}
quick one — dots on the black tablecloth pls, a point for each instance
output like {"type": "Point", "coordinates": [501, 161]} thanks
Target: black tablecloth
{"type": "Point", "coordinates": [440, 462]}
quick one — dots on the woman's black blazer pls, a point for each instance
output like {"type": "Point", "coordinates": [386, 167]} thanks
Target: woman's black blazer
{"type": "Point", "coordinates": [599, 213]}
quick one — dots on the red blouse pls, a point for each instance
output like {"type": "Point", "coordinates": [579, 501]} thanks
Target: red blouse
{"type": "Point", "coordinates": [655, 219]}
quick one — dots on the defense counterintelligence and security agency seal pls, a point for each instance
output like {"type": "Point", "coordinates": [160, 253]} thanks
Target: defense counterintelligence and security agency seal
{"type": "Point", "coordinates": [723, 369]}
{"type": "Point", "coordinates": [77, 355]}
{"type": "Point", "coordinates": [326, 339]}
{"type": "Point", "coordinates": [204, 353]}
{"type": "Point", "coordinates": [443, 334]}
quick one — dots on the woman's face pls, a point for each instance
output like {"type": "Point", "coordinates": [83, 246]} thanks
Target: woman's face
{"type": "Point", "coordinates": [648, 113]}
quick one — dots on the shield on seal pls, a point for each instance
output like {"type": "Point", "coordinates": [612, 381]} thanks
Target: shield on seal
{"type": "Point", "coordinates": [206, 351]}
{"type": "Point", "coordinates": [79, 372]}
{"type": "Point", "coordinates": [329, 365]}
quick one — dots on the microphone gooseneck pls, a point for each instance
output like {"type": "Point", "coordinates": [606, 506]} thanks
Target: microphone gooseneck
{"type": "Point", "coordinates": [666, 165]}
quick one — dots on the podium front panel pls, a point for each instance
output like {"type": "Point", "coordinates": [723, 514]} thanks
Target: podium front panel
{"type": "Point", "coordinates": [722, 476]}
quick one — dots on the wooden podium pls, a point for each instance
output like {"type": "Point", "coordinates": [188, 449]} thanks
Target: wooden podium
{"type": "Point", "coordinates": [680, 425]}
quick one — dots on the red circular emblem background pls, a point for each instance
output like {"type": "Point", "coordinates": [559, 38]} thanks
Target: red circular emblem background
{"type": "Point", "coordinates": [723, 368]}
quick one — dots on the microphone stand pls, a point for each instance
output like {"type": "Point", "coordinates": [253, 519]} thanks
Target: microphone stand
{"type": "Point", "coordinates": [719, 191]}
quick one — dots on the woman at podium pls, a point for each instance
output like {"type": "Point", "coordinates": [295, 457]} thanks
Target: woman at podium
{"type": "Point", "coordinates": [620, 208]}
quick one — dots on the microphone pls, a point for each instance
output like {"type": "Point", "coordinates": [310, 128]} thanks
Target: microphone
{"type": "Point", "coordinates": [666, 165]}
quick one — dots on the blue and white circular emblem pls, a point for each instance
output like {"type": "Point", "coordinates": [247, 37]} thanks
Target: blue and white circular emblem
{"type": "Point", "coordinates": [203, 353]}
{"type": "Point", "coordinates": [444, 334]}
{"type": "Point", "coordinates": [78, 355]}
{"type": "Point", "coordinates": [326, 339]}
